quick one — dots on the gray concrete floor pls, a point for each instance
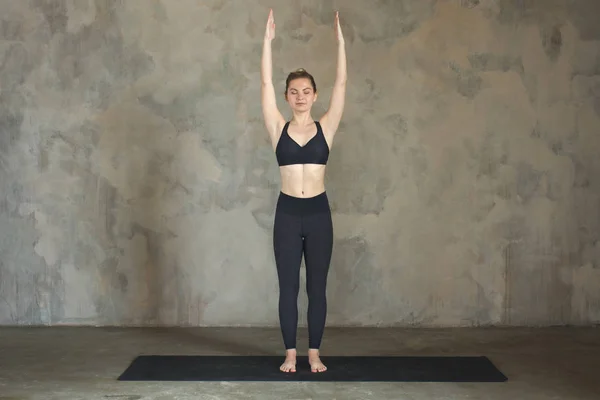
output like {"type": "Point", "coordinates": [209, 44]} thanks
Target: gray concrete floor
{"type": "Point", "coordinates": [83, 363]}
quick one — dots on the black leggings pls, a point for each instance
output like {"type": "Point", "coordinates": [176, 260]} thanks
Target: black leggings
{"type": "Point", "coordinates": [302, 226]}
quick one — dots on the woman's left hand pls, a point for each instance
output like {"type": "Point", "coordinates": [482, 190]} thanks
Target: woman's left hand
{"type": "Point", "coordinates": [338, 28]}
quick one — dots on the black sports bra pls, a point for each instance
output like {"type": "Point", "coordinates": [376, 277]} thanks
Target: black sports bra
{"type": "Point", "coordinates": [315, 151]}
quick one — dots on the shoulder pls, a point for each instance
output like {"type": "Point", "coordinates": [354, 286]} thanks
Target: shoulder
{"type": "Point", "coordinates": [283, 126]}
{"type": "Point", "coordinates": [324, 126]}
{"type": "Point", "coordinates": [280, 128]}
{"type": "Point", "coordinates": [327, 135]}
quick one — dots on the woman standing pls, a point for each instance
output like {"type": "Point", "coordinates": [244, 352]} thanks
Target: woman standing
{"type": "Point", "coordinates": [303, 224]}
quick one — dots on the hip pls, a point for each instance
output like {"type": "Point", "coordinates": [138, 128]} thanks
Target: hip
{"type": "Point", "coordinates": [304, 206]}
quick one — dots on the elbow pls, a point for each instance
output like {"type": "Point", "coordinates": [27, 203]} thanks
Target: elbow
{"type": "Point", "coordinates": [341, 77]}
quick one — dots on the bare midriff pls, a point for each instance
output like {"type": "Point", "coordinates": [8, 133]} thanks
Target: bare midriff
{"type": "Point", "coordinates": [303, 180]}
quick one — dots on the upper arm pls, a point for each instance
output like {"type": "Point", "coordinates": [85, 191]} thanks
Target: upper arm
{"type": "Point", "coordinates": [331, 120]}
{"type": "Point", "coordinates": [274, 121]}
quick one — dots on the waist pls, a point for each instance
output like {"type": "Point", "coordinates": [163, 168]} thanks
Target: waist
{"type": "Point", "coordinates": [302, 181]}
{"type": "Point", "coordinates": [303, 205]}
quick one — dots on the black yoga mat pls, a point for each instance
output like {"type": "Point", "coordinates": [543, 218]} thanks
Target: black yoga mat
{"type": "Point", "coordinates": [339, 368]}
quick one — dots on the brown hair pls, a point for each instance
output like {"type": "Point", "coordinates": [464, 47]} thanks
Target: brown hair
{"type": "Point", "coordinates": [300, 73]}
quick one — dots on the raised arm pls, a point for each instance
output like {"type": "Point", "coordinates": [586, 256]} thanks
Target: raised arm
{"type": "Point", "coordinates": [273, 118]}
{"type": "Point", "coordinates": [331, 120]}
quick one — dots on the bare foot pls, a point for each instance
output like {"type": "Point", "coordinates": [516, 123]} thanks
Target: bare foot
{"type": "Point", "coordinates": [289, 365]}
{"type": "Point", "coordinates": [315, 361]}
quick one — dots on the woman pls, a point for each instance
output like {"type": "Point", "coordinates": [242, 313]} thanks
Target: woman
{"type": "Point", "coordinates": [303, 222]}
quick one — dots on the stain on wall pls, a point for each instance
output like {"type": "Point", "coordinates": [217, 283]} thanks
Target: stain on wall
{"type": "Point", "coordinates": [138, 185]}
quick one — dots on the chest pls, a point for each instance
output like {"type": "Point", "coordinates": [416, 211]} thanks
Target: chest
{"type": "Point", "coordinates": [302, 147]}
{"type": "Point", "coordinates": [302, 136]}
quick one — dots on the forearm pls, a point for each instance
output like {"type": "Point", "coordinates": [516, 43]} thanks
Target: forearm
{"type": "Point", "coordinates": [267, 63]}
{"type": "Point", "coordinates": [342, 74]}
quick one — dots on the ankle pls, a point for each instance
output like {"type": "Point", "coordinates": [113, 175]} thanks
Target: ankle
{"type": "Point", "coordinates": [313, 352]}
{"type": "Point", "coordinates": [290, 352]}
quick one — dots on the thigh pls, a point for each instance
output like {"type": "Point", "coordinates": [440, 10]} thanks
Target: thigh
{"type": "Point", "coordinates": [318, 242]}
{"type": "Point", "coordinates": [287, 243]}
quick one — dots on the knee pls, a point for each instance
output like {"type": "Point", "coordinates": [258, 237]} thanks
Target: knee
{"type": "Point", "coordinates": [289, 289]}
{"type": "Point", "coordinates": [316, 293]}
{"type": "Point", "coordinates": [316, 283]}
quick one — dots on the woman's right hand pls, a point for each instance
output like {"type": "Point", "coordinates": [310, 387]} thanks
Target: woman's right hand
{"type": "Point", "coordinates": [270, 31]}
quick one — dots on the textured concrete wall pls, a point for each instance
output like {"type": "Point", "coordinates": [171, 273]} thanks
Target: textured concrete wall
{"type": "Point", "coordinates": [138, 184]}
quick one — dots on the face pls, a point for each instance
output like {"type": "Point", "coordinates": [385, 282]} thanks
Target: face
{"type": "Point", "coordinates": [300, 94]}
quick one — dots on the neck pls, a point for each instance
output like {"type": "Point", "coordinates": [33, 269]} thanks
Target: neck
{"type": "Point", "coordinates": [302, 119]}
